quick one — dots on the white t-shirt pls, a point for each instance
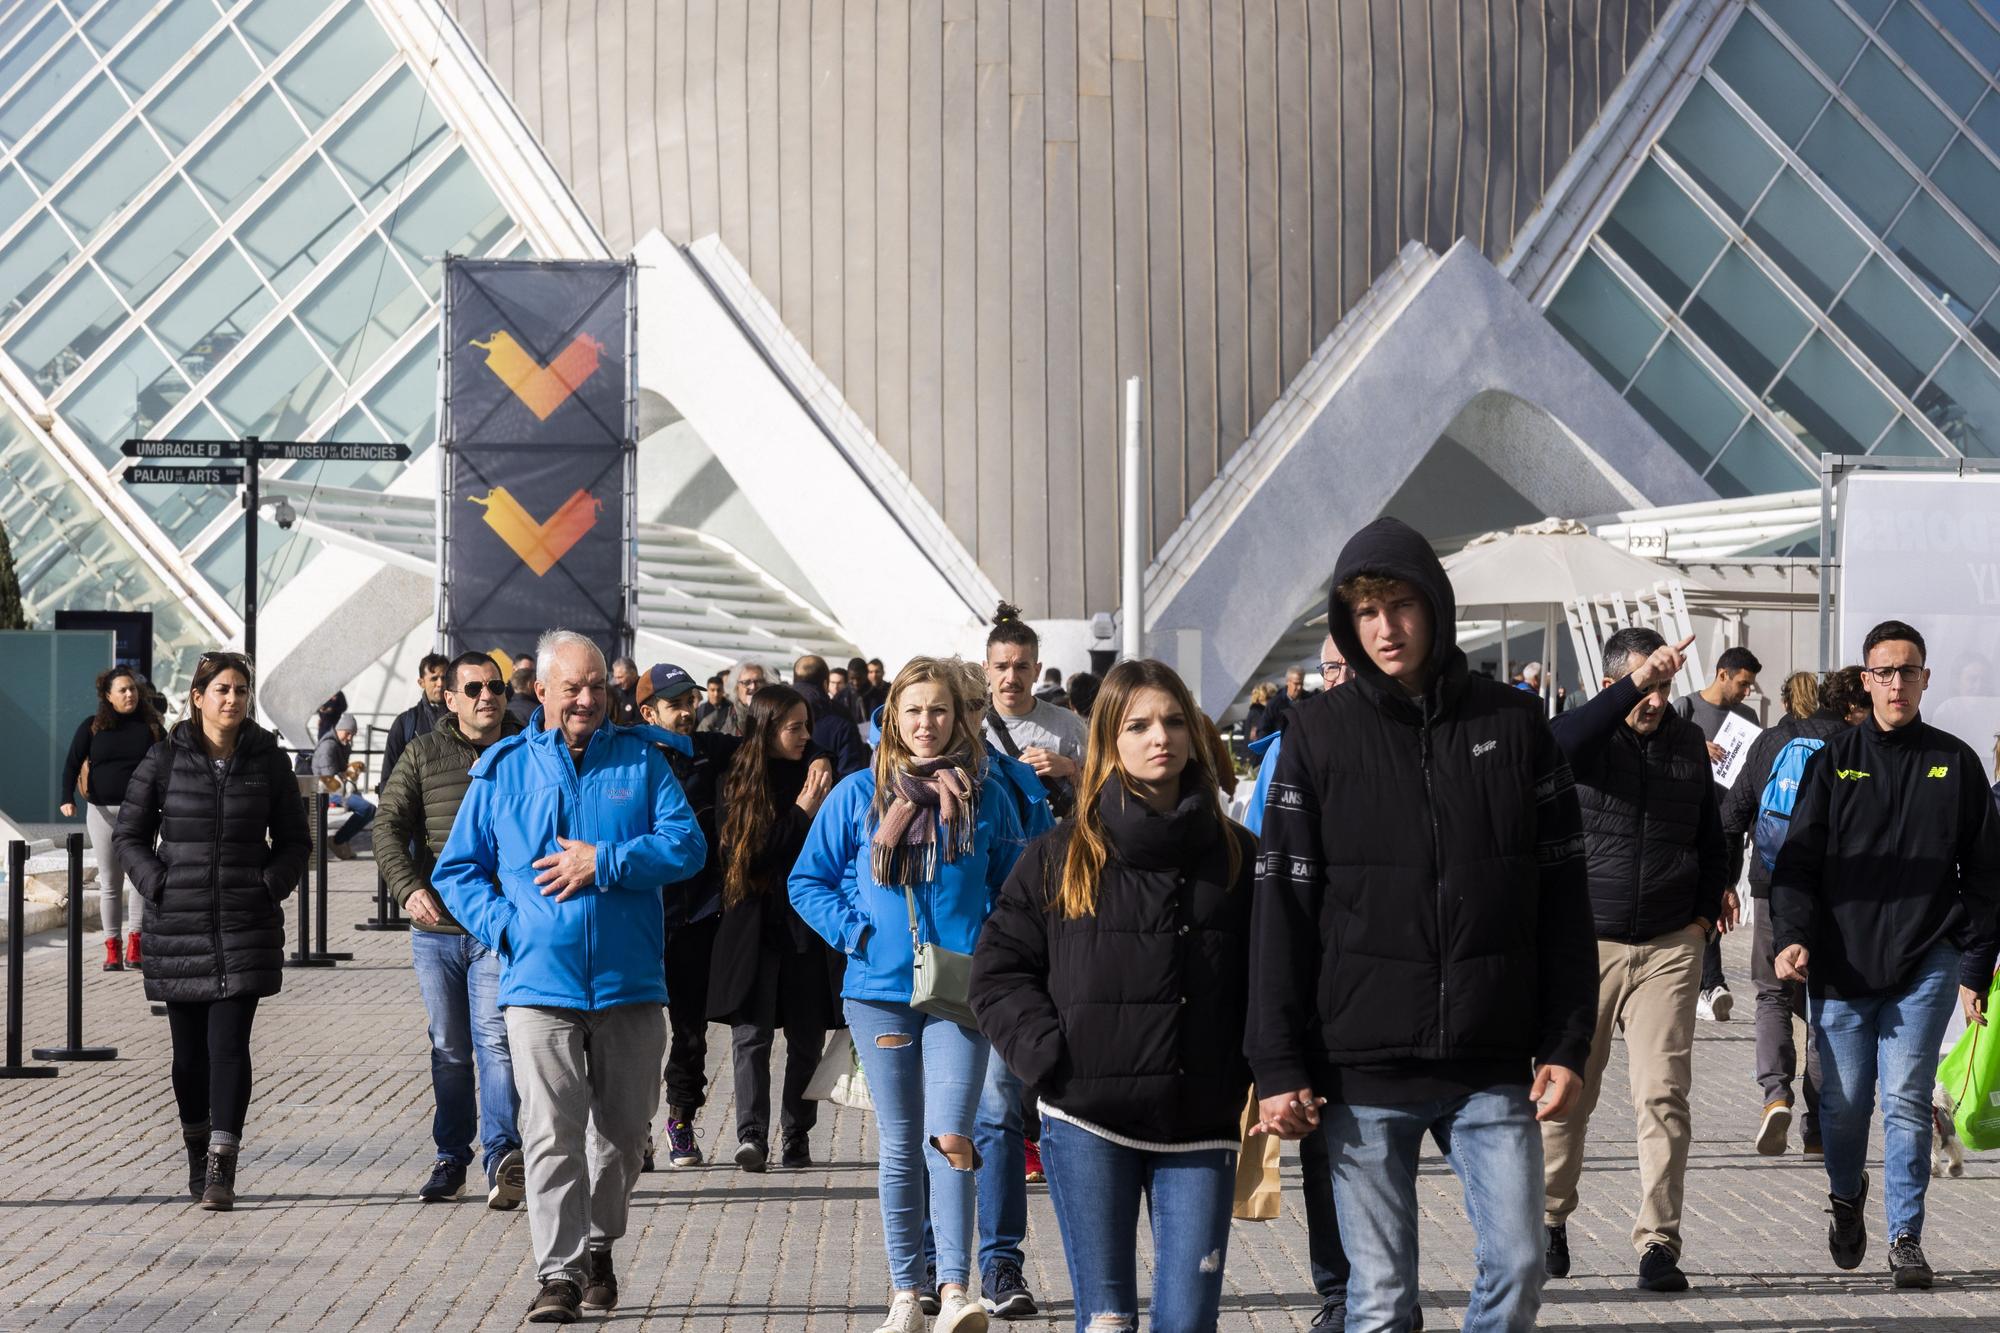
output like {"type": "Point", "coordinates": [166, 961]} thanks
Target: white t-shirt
{"type": "Point", "coordinates": [1047, 725]}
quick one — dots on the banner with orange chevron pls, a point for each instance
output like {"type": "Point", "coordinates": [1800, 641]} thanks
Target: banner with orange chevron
{"type": "Point", "coordinates": [537, 481]}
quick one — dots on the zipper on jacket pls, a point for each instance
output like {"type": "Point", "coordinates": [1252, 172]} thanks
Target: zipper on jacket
{"type": "Point", "coordinates": [215, 876]}
{"type": "Point", "coordinates": [1437, 866]}
{"type": "Point", "coordinates": [1639, 856]}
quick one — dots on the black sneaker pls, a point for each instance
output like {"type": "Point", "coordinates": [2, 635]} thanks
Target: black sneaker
{"type": "Point", "coordinates": [1004, 1292]}
{"type": "Point", "coordinates": [600, 1282]}
{"type": "Point", "coordinates": [752, 1155]}
{"type": "Point", "coordinates": [797, 1154]}
{"type": "Point", "coordinates": [927, 1290]}
{"type": "Point", "coordinates": [1332, 1311]}
{"type": "Point", "coordinates": [1555, 1257]}
{"type": "Point", "coordinates": [218, 1193]}
{"type": "Point", "coordinates": [1847, 1234]}
{"type": "Point", "coordinates": [1660, 1270]}
{"type": "Point", "coordinates": [559, 1302]}
{"type": "Point", "coordinates": [1907, 1266]}
{"type": "Point", "coordinates": [447, 1182]}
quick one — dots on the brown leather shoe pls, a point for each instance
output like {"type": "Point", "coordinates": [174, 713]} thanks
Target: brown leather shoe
{"type": "Point", "coordinates": [600, 1283]}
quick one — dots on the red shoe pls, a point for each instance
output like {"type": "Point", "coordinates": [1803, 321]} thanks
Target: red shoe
{"type": "Point", "coordinates": [1035, 1174]}
{"type": "Point", "coordinates": [132, 949]}
{"type": "Point", "coordinates": [113, 961]}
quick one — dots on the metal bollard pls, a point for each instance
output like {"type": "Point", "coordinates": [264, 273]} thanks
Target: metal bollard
{"type": "Point", "coordinates": [17, 911]}
{"type": "Point", "coordinates": [388, 913]}
{"type": "Point", "coordinates": [319, 889]}
{"type": "Point", "coordinates": [302, 956]}
{"type": "Point", "coordinates": [74, 1049]}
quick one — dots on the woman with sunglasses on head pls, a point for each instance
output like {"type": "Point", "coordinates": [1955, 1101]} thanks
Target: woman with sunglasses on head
{"type": "Point", "coordinates": [912, 850]}
{"type": "Point", "coordinates": [1113, 978]}
{"type": "Point", "coordinates": [213, 833]}
{"type": "Point", "coordinates": [103, 755]}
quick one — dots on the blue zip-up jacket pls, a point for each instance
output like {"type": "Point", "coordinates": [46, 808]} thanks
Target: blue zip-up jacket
{"type": "Point", "coordinates": [833, 887]}
{"type": "Point", "coordinates": [604, 947]}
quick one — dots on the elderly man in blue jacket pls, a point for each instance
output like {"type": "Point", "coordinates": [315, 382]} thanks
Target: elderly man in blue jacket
{"type": "Point", "coordinates": [556, 862]}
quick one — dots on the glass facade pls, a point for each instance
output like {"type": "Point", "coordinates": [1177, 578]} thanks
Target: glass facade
{"type": "Point", "coordinates": [217, 217]}
{"type": "Point", "coordinates": [1807, 259]}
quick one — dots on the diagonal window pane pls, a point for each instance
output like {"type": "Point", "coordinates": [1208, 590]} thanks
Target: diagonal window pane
{"type": "Point", "coordinates": [1962, 20]}
{"type": "Point", "coordinates": [272, 25]}
{"type": "Point", "coordinates": [1904, 440]}
{"type": "Point", "coordinates": [338, 60]}
{"type": "Point", "coordinates": [66, 139]}
{"type": "Point", "coordinates": [159, 239]}
{"type": "Point", "coordinates": [1802, 233]}
{"type": "Point", "coordinates": [217, 77]}
{"type": "Point", "coordinates": [379, 143]}
{"type": "Point", "coordinates": [1963, 402]}
{"type": "Point", "coordinates": [278, 390]}
{"type": "Point", "coordinates": [1859, 169]}
{"type": "Point", "coordinates": [1663, 235]}
{"type": "Point", "coordinates": [152, 53]}
{"type": "Point", "coordinates": [1887, 97]}
{"type": "Point", "coordinates": [1764, 74]}
{"type": "Point", "coordinates": [363, 307]}
{"type": "Point", "coordinates": [231, 167]}
{"type": "Point", "coordinates": [405, 399]}
{"type": "Point", "coordinates": [1827, 403]}
{"type": "Point", "coordinates": [16, 198]}
{"type": "Point", "coordinates": [1972, 183]}
{"type": "Point", "coordinates": [1746, 320]}
{"type": "Point", "coordinates": [74, 323]}
{"type": "Point", "coordinates": [1725, 157]}
{"type": "Point", "coordinates": [130, 390]}
{"type": "Point", "coordinates": [213, 311]}
{"type": "Point", "coordinates": [1926, 51]}
{"type": "Point", "coordinates": [1755, 463]}
{"type": "Point", "coordinates": [452, 212]}
{"type": "Point", "coordinates": [1606, 322]}
{"type": "Point", "coordinates": [1945, 258]}
{"type": "Point", "coordinates": [1825, 34]}
{"type": "Point", "coordinates": [299, 225]}
{"type": "Point", "coordinates": [54, 79]}
{"type": "Point", "coordinates": [113, 179]}
{"type": "Point", "coordinates": [31, 261]}
{"type": "Point", "coordinates": [1892, 325]}
{"type": "Point", "coordinates": [1685, 404]}
{"type": "Point", "coordinates": [280, 555]}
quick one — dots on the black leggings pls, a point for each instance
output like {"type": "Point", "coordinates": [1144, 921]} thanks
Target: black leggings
{"type": "Point", "coordinates": [212, 1060]}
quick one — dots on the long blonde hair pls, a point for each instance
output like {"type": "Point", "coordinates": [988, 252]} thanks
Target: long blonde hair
{"type": "Point", "coordinates": [1089, 847]}
{"type": "Point", "coordinates": [893, 754]}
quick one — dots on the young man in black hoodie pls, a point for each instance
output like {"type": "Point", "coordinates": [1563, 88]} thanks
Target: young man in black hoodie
{"type": "Point", "coordinates": [1884, 897]}
{"type": "Point", "coordinates": [1658, 871]}
{"type": "Point", "coordinates": [1422, 959]}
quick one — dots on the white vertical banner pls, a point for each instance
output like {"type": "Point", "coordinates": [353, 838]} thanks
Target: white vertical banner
{"type": "Point", "coordinates": [1925, 548]}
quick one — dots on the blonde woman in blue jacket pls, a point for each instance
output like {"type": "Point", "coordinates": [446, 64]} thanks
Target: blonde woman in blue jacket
{"type": "Point", "coordinates": [918, 820]}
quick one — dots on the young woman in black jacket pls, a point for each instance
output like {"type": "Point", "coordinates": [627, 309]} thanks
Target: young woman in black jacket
{"type": "Point", "coordinates": [213, 833]}
{"type": "Point", "coordinates": [770, 970]}
{"type": "Point", "coordinates": [103, 755]}
{"type": "Point", "coordinates": [1113, 978]}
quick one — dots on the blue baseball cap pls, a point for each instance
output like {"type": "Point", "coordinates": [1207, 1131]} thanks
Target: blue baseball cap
{"type": "Point", "coordinates": [663, 681]}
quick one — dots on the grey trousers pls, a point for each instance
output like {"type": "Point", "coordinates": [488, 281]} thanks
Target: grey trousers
{"type": "Point", "coordinates": [112, 898]}
{"type": "Point", "coordinates": [1777, 1003]}
{"type": "Point", "coordinates": [589, 1082]}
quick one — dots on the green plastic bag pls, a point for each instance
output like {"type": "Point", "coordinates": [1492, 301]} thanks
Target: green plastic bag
{"type": "Point", "coordinates": [1971, 1074]}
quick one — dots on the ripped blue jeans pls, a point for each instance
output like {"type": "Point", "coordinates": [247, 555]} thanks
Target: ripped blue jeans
{"type": "Point", "coordinates": [1097, 1187]}
{"type": "Point", "coordinates": [925, 1075]}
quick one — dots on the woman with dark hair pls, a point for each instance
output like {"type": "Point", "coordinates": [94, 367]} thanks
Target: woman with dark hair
{"type": "Point", "coordinates": [213, 833]}
{"type": "Point", "coordinates": [1113, 977]}
{"type": "Point", "coordinates": [770, 970]}
{"type": "Point", "coordinates": [103, 755]}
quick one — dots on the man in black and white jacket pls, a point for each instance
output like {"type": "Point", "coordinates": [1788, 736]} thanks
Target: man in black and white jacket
{"type": "Point", "coordinates": [1422, 960]}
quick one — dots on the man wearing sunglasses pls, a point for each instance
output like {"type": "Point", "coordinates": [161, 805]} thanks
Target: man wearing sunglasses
{"type": "Point", "coordinates": [1883, 901]}
{"type": "Point", "coordinates": [459, 976]}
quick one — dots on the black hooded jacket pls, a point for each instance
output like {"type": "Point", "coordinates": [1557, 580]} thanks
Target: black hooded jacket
{"type": "Point", "coordinates": [1894, 849]}
{"type": "Point", "coordinates": [1422, 924]}
{"type": "Point", "coordinates": [1650, 824]}
{"type": "Point", "coordinates": [213, 854]}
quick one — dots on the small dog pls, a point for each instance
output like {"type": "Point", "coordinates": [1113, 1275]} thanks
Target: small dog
{"type": "Point", "coordinates": [1947, 1151]}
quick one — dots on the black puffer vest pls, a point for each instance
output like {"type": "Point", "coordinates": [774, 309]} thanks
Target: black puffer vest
{"type": "Point", "coordinates": [1641, 827]}
{"type": "Point", "coordinates": [213, 855]}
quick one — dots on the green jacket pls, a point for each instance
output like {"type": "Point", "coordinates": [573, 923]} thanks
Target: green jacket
{"type": "Point", "coordinates": [417, 804]}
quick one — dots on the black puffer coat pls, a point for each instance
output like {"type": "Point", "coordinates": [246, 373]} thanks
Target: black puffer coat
{"type": "Point", "coordinates": [213, 856]}
{"type": "Point", "coordinates": [1650, 821]}
{"type": "Point", "coordinates": [1132, 1018]}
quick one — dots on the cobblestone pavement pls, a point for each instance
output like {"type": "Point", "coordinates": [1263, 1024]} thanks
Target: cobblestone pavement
{"type": "Point", "coordinates": [95, 1233]}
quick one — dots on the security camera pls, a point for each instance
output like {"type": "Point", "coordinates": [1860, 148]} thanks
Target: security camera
{"type": "Point", "coordinates": [284, 513]}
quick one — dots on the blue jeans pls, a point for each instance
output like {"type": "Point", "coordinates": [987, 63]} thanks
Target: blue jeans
{"type": "Point", "coordinates": [1492, 1142]}
{"type": "Point", "coordinates": [925, 1076]}
{"type": "Point", "coordinates": [1097, 1185]}
{"type": "Point", "coordinates": [460, 981]}
{"type": "Point", "coordinates": [360, 814]}
{"type": "Point", "coordinates": [1893, 1040]}
{"type": "Point", "coordinates": [1000, 1137]}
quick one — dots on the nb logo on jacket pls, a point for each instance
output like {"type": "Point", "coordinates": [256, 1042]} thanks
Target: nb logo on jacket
{"type": "Point", "coordinates": [1938, 772]}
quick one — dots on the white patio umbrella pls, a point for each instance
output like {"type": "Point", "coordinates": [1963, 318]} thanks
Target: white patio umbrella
{"type": "Point", "coordinates": [1537, 569]}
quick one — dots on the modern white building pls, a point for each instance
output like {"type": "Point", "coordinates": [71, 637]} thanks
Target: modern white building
{"type": "Point", "coordinates": [1471, 264]}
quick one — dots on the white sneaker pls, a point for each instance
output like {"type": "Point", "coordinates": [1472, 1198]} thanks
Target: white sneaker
{"type": "Point", "coordinates": [905, 1315]}
{"type": "Point", "coordinates": [1714, 1004]}
{"type": "Point", "coordinates": [961, 1314]}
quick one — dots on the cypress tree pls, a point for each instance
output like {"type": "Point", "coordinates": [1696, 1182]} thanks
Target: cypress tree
{"type": "Point", "coordinates": [12, 614]}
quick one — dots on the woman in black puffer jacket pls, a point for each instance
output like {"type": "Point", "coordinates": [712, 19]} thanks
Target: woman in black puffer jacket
{"type": "Point", "coordinates": [213, 834]}
{"type": "Point", "coordinates": [1113, 978]}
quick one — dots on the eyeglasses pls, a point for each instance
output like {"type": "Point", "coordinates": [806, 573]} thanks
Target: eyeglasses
{"type": "Point", "coordinates": [472, 689]}
{"type": "Point", "coordinates": [1885, 674]}
{"type": "Point", "coordinates": [1335, 670]}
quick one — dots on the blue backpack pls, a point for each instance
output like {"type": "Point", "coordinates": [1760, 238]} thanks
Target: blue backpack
{"type": "Point", "coordinates": [1781, 793]}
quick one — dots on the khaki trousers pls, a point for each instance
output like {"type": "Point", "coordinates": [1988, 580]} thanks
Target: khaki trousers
{"type": "Point", "coordinates": [1650, 989]}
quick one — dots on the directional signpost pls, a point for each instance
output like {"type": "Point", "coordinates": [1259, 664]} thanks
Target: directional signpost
{"type": "Point", "coordinates": [234, 463]}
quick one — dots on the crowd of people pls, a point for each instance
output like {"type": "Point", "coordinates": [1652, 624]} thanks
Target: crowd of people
{"type": "Point", "coordinates": [1021, 903]}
